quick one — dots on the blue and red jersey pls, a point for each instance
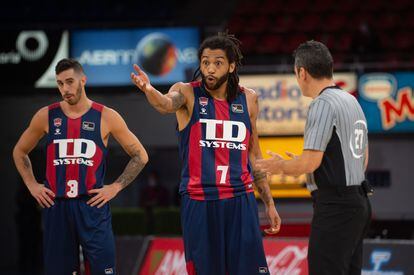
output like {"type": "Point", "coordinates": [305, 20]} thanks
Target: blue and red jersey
{"type": "Point", "coordinates": [75, 161]}
{"type": "Point", "coordinates": [214, 148]}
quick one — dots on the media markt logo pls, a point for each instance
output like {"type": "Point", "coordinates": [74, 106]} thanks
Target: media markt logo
{"type": "Point", "coordinates": [378, 259]}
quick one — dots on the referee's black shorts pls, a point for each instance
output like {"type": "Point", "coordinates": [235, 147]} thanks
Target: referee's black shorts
{"type": "Point", "coordinates": [340, 222]}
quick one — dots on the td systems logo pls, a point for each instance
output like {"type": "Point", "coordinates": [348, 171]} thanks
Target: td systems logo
{"type": "Point", "coordinates": [83, 151]}
{"type": "Point", "coordinates": [234, 132]}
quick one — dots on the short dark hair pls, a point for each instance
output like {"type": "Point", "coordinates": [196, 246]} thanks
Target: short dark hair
{"type": "Point", "coordinates": [315, 58]}
{"type": "Point", "coordinates": [68, 63]}
{"type": "Point", "coordinates": [231, 46]}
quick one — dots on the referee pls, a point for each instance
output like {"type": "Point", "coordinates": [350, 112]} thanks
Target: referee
{"type": "Point", "coordinates": [335, 157]}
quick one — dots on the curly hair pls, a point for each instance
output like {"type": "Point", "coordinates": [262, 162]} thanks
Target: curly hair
{"type": "Point", "coordinates": [231, 46]}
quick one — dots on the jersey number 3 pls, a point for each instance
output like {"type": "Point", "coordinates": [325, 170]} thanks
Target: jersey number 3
{"type": "Point", "coordinates": [73, 189]}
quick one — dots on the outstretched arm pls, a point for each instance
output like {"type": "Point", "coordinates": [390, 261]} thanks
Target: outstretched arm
{"type": "Point", "coordinates": [305, 163]}
{"type": "Point", "coordinates": [261, 179]}
{"type": "Point", "coordinates": [134, 149]}
{"type": "Point", "coordinates": [26, 143]}
{"type": "Point", "coordinates": [168, 103]}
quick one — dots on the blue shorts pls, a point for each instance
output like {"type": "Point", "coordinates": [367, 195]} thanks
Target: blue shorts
{"type": "Point", "coordinates": [223, 236]}
{"type": "Point", "coordinates": [70, 223]}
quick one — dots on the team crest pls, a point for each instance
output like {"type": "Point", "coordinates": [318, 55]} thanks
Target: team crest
{"type": "Point", "coordinates": [203, 101]}
{"type": "Point", "coordinates": [237, 108]}
{"type": "Point", "coordinates": [57, 122]}
{"type": "Point", "coordinates": [88, 126]}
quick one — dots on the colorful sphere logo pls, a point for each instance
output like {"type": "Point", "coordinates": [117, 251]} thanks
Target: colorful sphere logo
{"type": "Point", "coordinates": [156, 54]}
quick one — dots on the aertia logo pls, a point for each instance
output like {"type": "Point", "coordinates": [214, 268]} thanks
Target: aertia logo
{"type": "Point", "coordinates": [83, 151]}
{"type": "Point", "coordinates": [234, 132]}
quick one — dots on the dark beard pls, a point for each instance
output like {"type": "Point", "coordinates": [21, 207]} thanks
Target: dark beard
{"type": "Point", "coordinates": [77, 95]}
{"type": "Point", "coordinates": [219, 82]}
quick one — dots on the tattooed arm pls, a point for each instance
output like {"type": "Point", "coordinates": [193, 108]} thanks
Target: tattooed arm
{"type": "Point", "coordinates": [171, 102]}
{"type": "Point", "coordinates": [116, 126]}
{"type": "Point", "coordinates": [28, 140]}
{"type": "Point", "coordinates": [138, 160]}
{"type": "Point", "coordinates": [261, 179]}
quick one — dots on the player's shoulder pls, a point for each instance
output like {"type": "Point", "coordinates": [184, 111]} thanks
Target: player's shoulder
{"type": "Point", "coordinates": [40, 119]}
{"type": "Point", "coordinates": [109, 113]}
{"type": "Point", "coordinates": [250, 93]}
{"type": "Point", "coordinates": [187, 87]}
{"type": "Point", "coordinates": [42, 113]}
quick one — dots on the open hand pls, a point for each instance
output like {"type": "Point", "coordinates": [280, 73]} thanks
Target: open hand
{"type": "Point", "coordinates": [102, 195]}
{"type": "Point", "coordinates": [140, 79]}
{"type": "Point", "coordinates": [271, 165]}
{"type": "Point", "coordinates": [43, 195]}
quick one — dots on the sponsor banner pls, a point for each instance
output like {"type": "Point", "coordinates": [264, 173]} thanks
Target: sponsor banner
{"type": "Point", "coordinates": [388, 102]}
{"type": "Point", "coordinates": [388, 257]}
{"type": "Point", "coordinates": [283, 186]}
{"type": "Point", "coordinates": [165, 256]}
{"type": "Point", "coordinates": [28, 57]}
{"type": "Point", "coordinates": [167, 55]}
{"type": "Point", "coordinates": [282, 108]}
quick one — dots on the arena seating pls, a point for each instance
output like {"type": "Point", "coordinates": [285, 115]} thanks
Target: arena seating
{"type": "Point", "coordinates": [377, 30]}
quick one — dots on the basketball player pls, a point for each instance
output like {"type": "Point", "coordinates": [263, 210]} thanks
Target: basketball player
{"type": "Point", "coordinates": [335, 157]}
{"type": "Point", "coordinates": [74, 198]}
{"type": "Point", "coordinates": [218, 145]}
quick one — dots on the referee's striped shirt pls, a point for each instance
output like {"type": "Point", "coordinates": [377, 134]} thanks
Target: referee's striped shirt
{"type": "Point", "coordinates": [336, 126]}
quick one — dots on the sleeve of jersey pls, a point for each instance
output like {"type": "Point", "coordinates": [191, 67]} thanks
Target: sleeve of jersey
{"type": "Point", "coordinates": [319, 125]}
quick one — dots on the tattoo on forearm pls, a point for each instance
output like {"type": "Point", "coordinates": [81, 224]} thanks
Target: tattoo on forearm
{"type": "Point", "coordinates": [26, 162]}
{"type": "Point", "coordinates": [133, 168]}
{"type": "Point", "coordinates": [260, 180]}
{"type": "Point", "coordinates": [177, 101]}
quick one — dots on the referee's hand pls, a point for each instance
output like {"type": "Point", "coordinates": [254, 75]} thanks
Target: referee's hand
{"type": "Point", "coordinates": [271, 165]}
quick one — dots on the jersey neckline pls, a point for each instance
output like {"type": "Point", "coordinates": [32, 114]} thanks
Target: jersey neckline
{"type": "Point", "coordinates": [68, 117]}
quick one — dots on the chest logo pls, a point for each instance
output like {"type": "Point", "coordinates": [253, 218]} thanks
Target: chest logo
{"type": "Point", "coordinates": [237, 108]}
{"type": "Point", "coordinates": [88, 126]}
{"type": "Point", "coordinates": [57, 122]}
{"type": "Point", "coordinates": [203, 101]}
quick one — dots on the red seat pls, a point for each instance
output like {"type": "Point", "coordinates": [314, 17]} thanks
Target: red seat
{"type": "Point", "coordinates": [334, 22]}
{"type": "Point", "coordinates": [249, 42]}
{"type": "Point", "coordinates": [257, 24]}
{"type": "Point", "coordinates": [344, 43]}
{"type": "Point", "coordinates": [388, 21]}
{"type": "Point", "coordinates": [403, 41]}
{"type": "Point", "coordinates": [308, 23]}
{"type": "Point", "coordinates": [292, 42]}
{"type": "Point", "coordinates": [282, 24]}
{"type": "Point", "coordinates": [322, 6]}
{"type": "Point", "coordinates": [270, 44]}
{"type": "Point", "coordinates": [235, 25]}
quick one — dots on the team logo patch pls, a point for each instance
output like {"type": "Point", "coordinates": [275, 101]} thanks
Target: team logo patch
{"type": "Point", "coordinates": [57, 132]}
{"type": "Point", "coordinates": [109, 271]}
{"type": "Point", "coordinates": [203, 101]}
{"type": "Point", "coordinates": [237, 108]}
{"type": "Point", "coordinates": [88, 126]}
{"type": "Point", "coordinates": [57, 122]}
{"type": "Point", "coordinates": [263, 270]}
{"type": "Point", "coordinates": [203, 111]}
